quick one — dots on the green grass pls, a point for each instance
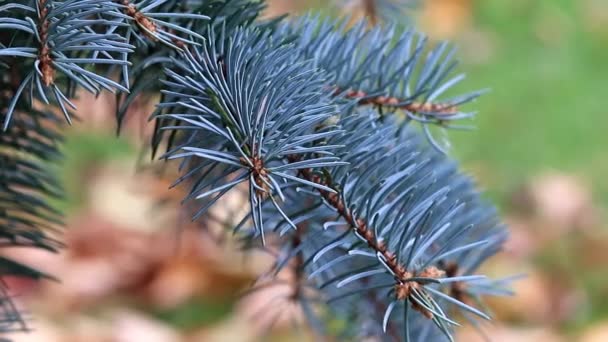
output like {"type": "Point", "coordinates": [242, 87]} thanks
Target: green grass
{"type": "Point", "coordinates": [547, 111]}
{"type": "Point", "coordinates": [197, 313]}
{"type": "Point", "coordinates": [547, 107]}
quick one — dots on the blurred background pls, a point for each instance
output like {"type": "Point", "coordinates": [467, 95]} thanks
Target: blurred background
{"type": "Point", "coordinates": [131, 273]}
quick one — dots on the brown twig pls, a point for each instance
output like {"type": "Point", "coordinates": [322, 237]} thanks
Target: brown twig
{"type": "Point", "coordinates": [370, 10]}
{"type": "Point", "coordinates": [260, 175]}
{"type": "Point", "coordinates": [44, 51]}
{"type": "Point", "coordinates": [146, 24]}
{"type": "Point", "coordinates": [387, 101]}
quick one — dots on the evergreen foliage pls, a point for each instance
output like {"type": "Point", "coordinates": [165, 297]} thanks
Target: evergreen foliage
{"type": "Point", "coordinates": [321, 124]}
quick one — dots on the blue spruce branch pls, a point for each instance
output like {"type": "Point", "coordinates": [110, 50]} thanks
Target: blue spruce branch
{"type": "Point", "coordinates": [310, 117]}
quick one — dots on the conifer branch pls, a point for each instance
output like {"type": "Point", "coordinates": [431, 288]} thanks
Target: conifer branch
{"type": "Point", "coordinates": [295, 113]}
{"type": "Point", "coordinates": [406, 280]}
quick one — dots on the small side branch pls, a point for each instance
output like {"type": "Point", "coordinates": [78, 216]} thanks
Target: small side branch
{"type": "Point", "coordinates": [146, 24]}
{"type": "Point", "coordinates": [387, 101]}
{"type": "Point", "coordinates": [370, 10]}
{"type": "Point", "coordinates": [405, 285]}
{"type": "Point", "coordinates": [157, 30]}
{"type": "Point", "coordinates": [44, 51]}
